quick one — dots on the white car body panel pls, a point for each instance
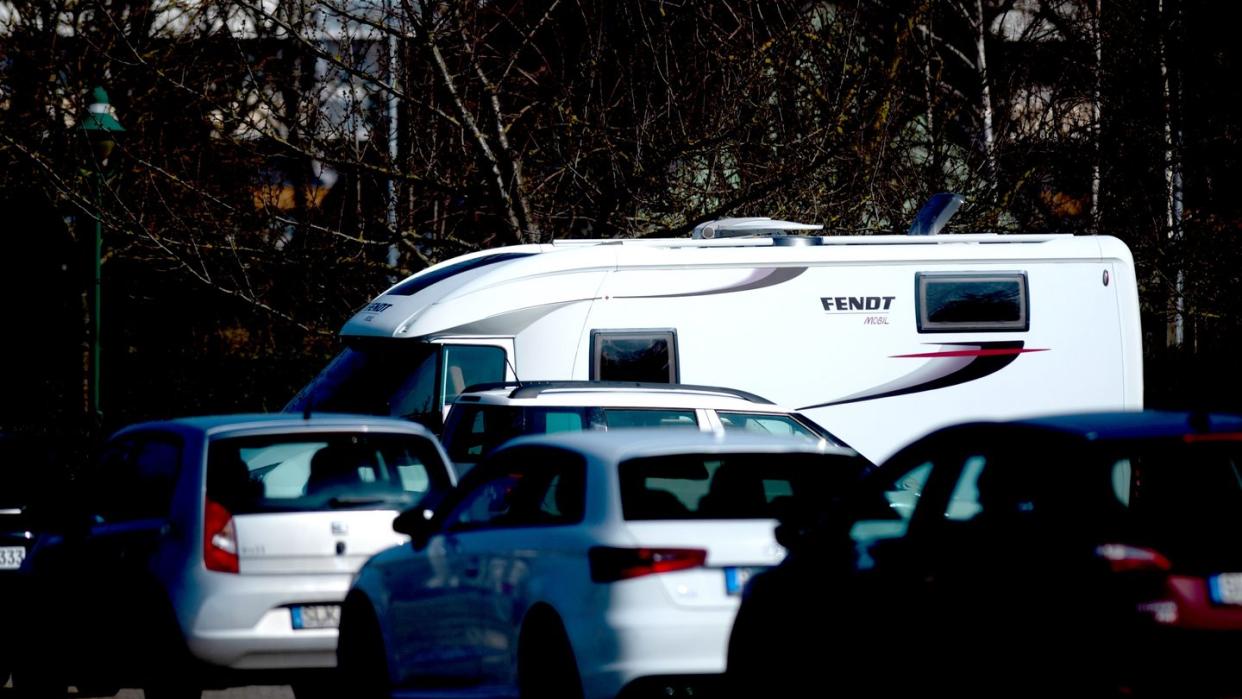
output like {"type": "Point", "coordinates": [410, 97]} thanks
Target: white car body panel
{"type": "Point", "coordinates": [453, 610]}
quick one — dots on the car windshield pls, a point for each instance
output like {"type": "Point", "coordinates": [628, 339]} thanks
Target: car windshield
{"type": "Point", "coordinates": [400, 378]}
{"type": "Point", "coordinates": [768, 423]}
{"type": "Point", "coordinates": [728, 486]}
{"type": "Point", "coordinates": [321, 471]}
{"type": "Point", "coordinates": [395, 377]}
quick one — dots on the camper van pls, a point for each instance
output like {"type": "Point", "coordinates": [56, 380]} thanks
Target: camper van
{"type": "Point", "coordinates": [880, 339]}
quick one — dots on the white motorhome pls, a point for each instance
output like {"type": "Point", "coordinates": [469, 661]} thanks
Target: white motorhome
{"type": "Point", "coordinates": [878, 338]}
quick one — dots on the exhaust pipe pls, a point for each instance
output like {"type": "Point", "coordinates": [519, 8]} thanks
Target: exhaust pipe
{"type": "Point", "coordinates": [935, 214]}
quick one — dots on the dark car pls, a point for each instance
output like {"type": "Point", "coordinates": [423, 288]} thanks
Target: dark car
{"type": "Point", "coordinates": [29, 467]}
{"type": "Point", "coordinates": [1080, 555]}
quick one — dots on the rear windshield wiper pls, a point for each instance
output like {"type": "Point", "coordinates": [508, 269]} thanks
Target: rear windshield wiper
{"type": "Point", "coordinates": [342, 501]}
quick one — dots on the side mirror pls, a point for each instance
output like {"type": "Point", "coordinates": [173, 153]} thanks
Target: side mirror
{"type": "Point", "coordinates": [418, 523]}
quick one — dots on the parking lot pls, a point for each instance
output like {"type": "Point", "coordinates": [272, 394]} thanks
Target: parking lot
{"type": "Point", "coordinates": [235, 693]}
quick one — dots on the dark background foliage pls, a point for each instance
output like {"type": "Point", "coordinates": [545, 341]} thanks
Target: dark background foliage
{"type": "Point", "coordinates": [285, 160]}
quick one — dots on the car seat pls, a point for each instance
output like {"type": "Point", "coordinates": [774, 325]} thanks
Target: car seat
{"type": "Point", "coordinates": [736, 491]}
{"type": "Point", "coordinates": [645, 503]}
{"type": "Point", "coordinates": [335, 467]}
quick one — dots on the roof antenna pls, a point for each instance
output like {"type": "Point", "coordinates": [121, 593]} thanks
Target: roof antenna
{"type": "Point", "coordinates": [935, 213]}
{"type": "Point", "coordinates": [310, 403]}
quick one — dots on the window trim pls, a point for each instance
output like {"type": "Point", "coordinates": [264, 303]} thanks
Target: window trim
{"type": "Point", "coordinates": [597, 349]}
{"type": "Point", "coordinates": [926, 325]}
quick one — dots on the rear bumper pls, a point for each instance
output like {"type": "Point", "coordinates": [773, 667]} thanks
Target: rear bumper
{"type": "Point", "coordinates": [244, 622]}
{"type": "Point", "coordinates": [1188, 661]}
{"type": "Point", "coordinates": [657, 648]}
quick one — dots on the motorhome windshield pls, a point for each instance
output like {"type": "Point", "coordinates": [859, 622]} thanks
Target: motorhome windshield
{"type": "Point", "coordinates": [401, 378]}
{"type": "Point", "coordinates": [392, 378]}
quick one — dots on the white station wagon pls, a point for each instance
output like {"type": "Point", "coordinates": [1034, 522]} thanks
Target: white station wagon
{"type": "Point", "coordinates": [585, 564]}
{"type": "Point", "coordinates": [484, 416]}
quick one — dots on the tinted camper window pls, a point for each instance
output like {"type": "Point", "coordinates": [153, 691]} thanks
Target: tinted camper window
{"type": "Point", "coordinates": [955, 302]}
{"type": "Point", "coordinates": [637, 355]}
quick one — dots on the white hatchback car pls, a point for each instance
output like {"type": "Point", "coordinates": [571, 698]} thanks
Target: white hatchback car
{"type": "Point", "coordinates": [483, 417]}
{"type": "Point", "coordinates": [216, 551]}
{"type": "Point", "coordinates": [589, 564]}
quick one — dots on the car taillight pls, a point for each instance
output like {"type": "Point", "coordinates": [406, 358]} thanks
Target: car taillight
{"type": "Point", "coordinates": [219, 539]}
{"type": "Point", "coordinates": [610, 564]}
{"type": "Point", "coordinates": [1124, 559]}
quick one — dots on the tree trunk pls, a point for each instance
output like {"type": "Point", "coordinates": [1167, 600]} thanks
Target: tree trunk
{"type": "Point", "coordinates": [1175, 335]}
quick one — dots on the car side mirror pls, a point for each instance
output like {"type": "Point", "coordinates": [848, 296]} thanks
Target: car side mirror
{"type": "Point", "coordinates": [418, 523]}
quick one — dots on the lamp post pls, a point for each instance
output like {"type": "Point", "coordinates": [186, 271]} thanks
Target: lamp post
{"type": "Point", "coordinates": [100, 127]}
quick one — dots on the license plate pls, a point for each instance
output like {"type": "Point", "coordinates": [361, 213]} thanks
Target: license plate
{"type": "Point", "coordinates": [11, 557]}
{"type": "Point", "coordinates": [735, 578]}
{"type": "Point", "coordinates": [1226, 588]}
{"type": "Point", "coordinates": [316, 616]}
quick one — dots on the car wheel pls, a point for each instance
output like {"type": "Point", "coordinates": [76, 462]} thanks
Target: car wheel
{"type": "Point", "coordinates": [34, 677]}
{"type": "Point", "coordinates": [173, 673]}
{"type": "Point", "coordinates": [546, 668]}
{"type": "Point", "coordinates": [361, 659]}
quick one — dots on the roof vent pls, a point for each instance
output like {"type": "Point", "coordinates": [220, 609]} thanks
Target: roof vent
{"type": "Point", "coordinates": [935, 214]}
{"type": "Point", "coordinates": [755, 226]}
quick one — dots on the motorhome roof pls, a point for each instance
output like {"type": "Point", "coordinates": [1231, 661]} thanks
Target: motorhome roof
{"type": "Point", "coordinates": [419, 306]}
{"type": "Point", "coordinates": [767, 241]}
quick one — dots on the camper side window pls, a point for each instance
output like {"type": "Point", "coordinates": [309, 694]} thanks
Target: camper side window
{"type": "Point", "coordinates": [634, 355]}
{"type": "Point", "coordinates": [980, 302]}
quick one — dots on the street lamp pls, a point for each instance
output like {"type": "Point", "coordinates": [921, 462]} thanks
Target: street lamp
{"type": "Point", "coordinates": [100, 127]}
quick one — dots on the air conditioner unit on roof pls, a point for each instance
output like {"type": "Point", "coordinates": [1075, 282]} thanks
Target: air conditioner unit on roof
{"type": "Point", "coordinates": [750, 226]}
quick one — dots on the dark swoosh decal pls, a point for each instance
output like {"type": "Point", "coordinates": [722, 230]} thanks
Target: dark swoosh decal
{"type": "Point", "coordinates": [947, 368]}
{"type": "Point", "coordinates": [758, 279]}
{"type": "Point", "coordinates": [509, 322]}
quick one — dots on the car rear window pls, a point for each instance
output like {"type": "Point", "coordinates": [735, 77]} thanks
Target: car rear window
{"type": "Point", "coordinates": [322, 471]}
{"type": "Point", "coordinates": [1190, 492]}
{"type": "Point", "coordinates": [17, 472]}
{"type": "Point", "coordinates": [728, 486]}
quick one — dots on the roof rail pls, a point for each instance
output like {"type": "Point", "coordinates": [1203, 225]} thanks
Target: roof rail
{"type": "Point", "coordinates": [530, 389]}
